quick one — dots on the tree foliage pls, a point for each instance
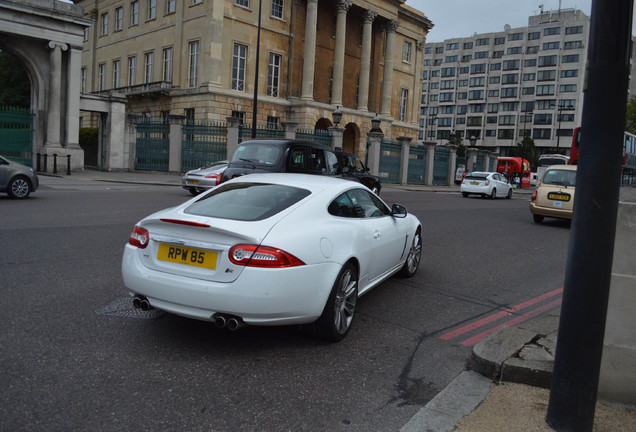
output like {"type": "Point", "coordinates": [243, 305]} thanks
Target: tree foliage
{"type": "Point", "coordinates": [528, 151]}
{"type": "Point", "coordinates": [15, 89]}
{"type": "Point", "coordinates": [630, 117]}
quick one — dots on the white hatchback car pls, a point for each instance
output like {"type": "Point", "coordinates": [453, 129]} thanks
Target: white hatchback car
{"type": "Point", "coordinates": [271, 249]}
{"type": "Point", "coordinates": [486, 184]}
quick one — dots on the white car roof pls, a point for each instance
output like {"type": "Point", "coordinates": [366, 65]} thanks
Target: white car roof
{"type": "Point", "coordinates": [310, 182]}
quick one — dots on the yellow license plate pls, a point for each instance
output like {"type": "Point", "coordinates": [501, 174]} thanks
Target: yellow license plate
{"type": "Point", "coordinates": [558, 196]}
{"type": "Point", "coordinates": [474, 183]}
{"type": "Point", "coordinates": [188, 256]}
{"type": "Point", "coordinates": [193, 181]}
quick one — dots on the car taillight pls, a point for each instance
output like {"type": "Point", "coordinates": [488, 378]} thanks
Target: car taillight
{"type": "Point", "coordinates": [262, 256]}
{"type": "Point", "coordinates": [216, 177]}
{"type": "Point", "coordinates": [139, 237]}
{"type": "Point", "coordinates": [534, 195]}
{"type": "Point", "coordinates": [487, 182]}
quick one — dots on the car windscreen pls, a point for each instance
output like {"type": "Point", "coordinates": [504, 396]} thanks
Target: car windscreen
{"type": "Point", "coordinates": [477, 176]}
{"type": "Point", "coordinates": [559, 177]}
{"type": "Point", "coordinates": [246, 201]}
{"type": "Point", "coordinates": [546, 162]}
{"type": "Point", "coordinates": [260, 153]}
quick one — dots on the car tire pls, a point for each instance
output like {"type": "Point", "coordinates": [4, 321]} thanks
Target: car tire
{"type": "Point", "coordinates": [493, 194]}
{"type": "Point", "coordinates": [337, 316]}
{"type": "Point", "coordinates": [19, 187]}
{"type": "Point", "coordinates": [537, 218]}
{"type": "Point", "coordinates": [509, 194]}
{"type": "Point", "coordinates": [194, 191]}
{"type": "Point", "coordinates": [413, 258]}
{"type": "Point", "coordinates": [465, 194]}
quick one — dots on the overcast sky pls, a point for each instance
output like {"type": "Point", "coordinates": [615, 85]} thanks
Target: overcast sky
{"type": "Point", "coordinates": [463, 18]}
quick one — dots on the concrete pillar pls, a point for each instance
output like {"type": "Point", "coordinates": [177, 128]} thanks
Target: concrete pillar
{"type": "Point", "coordinates": [290, 129]}
{"type": "Point", "coordinates": [131, 138]}
{"type": "Point", "coordinates": [233, 124]}
{"type": "Point", "coordinates": [487, 160]}
{"type": "Point", "coordinates": [176, 142]}
{"type": "Point", "coordinates": [387, 83]}
{"type": "Point", "coordinates": [373, 157]}
{"type": "Point", "coordinates": [430, 162]}
{"type": "Point", "coordinates": [365, 60]}
{"type": "Point", "coordinates": [405, 142]}
{"type": "Point", "coordinates": [336, 132]}
{"type": "Point", "coordinates": [115, 145]}
{"type": "Point", "coordinates": [55, 94]}
{"type": "Point", "coordinates": [342, 7]}
{"type": "Point", "coordinates": [309, 58]}
{"type": "Point", "coordinates": [73, 98]}
{"type": "Point", "coordinates": [471, 163]}
{"type": "Point", "coordinates": [452, 163]}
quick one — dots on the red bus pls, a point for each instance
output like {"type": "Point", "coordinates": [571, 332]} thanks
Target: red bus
{"type": "Point", "coordinates": [512, 167]}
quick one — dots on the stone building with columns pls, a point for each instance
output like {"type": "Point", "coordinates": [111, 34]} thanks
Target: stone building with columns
{"type": "Point", "coordinates": [198, 58]}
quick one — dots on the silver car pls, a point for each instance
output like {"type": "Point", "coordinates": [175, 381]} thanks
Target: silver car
{"type": "Point", "coordinates": [202, 179]}
{"type": "Point", "coordinates": [17, 180]}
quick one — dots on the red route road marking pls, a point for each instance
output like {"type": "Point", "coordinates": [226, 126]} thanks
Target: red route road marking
{"type": "Point", "coordinates": [482, 322]}
{"type": "Point", "coordinates": [534, 312]}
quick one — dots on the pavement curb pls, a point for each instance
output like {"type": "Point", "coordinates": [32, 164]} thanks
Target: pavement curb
{"type": "Point", "coordinates": [457, 400]}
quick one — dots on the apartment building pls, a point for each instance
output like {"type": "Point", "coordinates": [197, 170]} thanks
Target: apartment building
{"type": "Point", "coordinates": [197, 58]}
{"type": "Point", "coordinates": [500, 87]}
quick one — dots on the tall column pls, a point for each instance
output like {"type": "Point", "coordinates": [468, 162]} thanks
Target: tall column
{"type": "Point", "coordinates": [365, 60]}
{"type": "Point", "coordinates": [339, 51]}
{"type": "Point", "coordinates": [309, 62]}
{"type": "Point", "coordinates": [73, 97]}
{"type": "Point", "coordinates": [389, 54]}
{"type": "Point", "coordinates": [55, 93]}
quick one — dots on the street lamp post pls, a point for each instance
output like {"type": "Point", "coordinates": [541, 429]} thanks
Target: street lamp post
{"type": "Point", "coordinates": [560, 109]}
{"type": "Point", "coordinates": [473, 143]}
{"type": "Point", "coordinates": [523, 143]}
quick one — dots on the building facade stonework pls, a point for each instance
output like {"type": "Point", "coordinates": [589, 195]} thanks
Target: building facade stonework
{"type": "Point", "coordinates": [197, 58]}
{"type": "Point", "coordinates": [502, 86]}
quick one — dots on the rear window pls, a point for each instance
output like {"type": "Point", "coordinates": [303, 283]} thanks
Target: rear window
{"type": "Point", "coordinates": [559, 177]}
{"type": "Point", "coordinates": [546, 162]}
{"type": "Point", "coordinates": [246, 201]}
{"type": "Point", "coordinates": [263, 154]}
{"type": "Point", "coordinates": [477, 176]}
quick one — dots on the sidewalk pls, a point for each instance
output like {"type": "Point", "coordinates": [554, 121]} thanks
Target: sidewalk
{"type": "Point", "coordinates": [508, 387]}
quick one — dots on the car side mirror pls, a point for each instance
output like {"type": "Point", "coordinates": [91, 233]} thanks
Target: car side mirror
{"type": "Point", "coordinates": [398, 211]}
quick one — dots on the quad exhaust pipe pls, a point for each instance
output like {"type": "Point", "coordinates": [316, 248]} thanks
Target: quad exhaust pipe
{"type": "Point", "coordinates": [141, 302]}
{"type": "Point", "coordinates": [229, 322]}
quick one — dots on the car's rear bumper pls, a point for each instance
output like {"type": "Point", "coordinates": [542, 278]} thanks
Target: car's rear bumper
{"type": "Point", "coordinates": [550, 211]}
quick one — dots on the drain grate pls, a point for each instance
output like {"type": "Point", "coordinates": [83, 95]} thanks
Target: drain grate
{"type": "Point", "coordinates": [123, 307]}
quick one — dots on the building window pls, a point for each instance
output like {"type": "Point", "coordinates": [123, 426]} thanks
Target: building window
{"type": "Point", "coordinates": [493, 93]}
{"type": "Point", "coordinates": [116, 73]}
{"type": "Point", "coordinates": [104, 24]}
{"type": "Point", "coordinates": [527, 91]}
{"type": "Point", "coordinates": [476, 94]}
{"type": "Point", "coordinates": [452, 46]}
{"type": "Point", "coordinates": [478, 68]}
{"type": "Point", "coordinates": [507, 120]}
{"type": "Point", "coordinates": [132, 70]}
{"type": "Point", "coordinates": [509, 92]}
{"type": "Point", "coordinates": [468, 45]}
{"type": "Point", "coordinates": [467, 58]}
{"type": "Point", "coordinates": [574, 58]}
{"type": "Point", "coordinates": [542, 119]}
{"type": "Point", "coordinates": [451, 59]}
{"type": "Point", "coordinates": [196, 2]}
{"type": "Point", "coordinates": [551, 45]}
{"type": "Point", "coordinates": [439, 50]}
{"type": "Point", "coordinates": [515, 36]}
{"type": "Point", "coordinates": [481, 54]}
{"type": "Point", "coordinates": [510, 78]}
{"type": "Point", "coordinates": [530, 62]}
{"type": "Point", "coordinates": [573, 30]}
{"type": "Point", "coordinates": [448, 84]}
{"type": "Point", "coordinates": [152, 9]}
{"type": "Point", "coordinates": [510, 65]}
{"type": "Point", "coordinates": [527, 106]}
{"type": "Point", "coordinates": [404, 98]}
{"type": "Point", "coordinates": [167, 65]}
{"type": "Point", "coordinates": [446, 97]}
{"type": "Point", "coordinates": [119, 18]}
{"type": "Point", "coordinates": [545, 90]}
{"type": "Point", "coordinates": [83, 80]}
{"type": "Point", "coordinates": [273, 74]}
{"type": "Point", "coordinates": [493, 107]}
{"type": "Point", "coordinates": [477, 108]}
{"type": "Point", "coordinates": [272, 122]}
{"type": "Point", "coordinates": [193, 64]}
{"type": "Point", "coordinates": [277, 8]}
{"type": "Point", "coordinates": [500, 41]}
{"type": "Point", "coordinates": [244, 3]}
{"type": "Point", "coordinates": [494, 80]}
{"type": "Point", "coordinates": [547, 104]}
{"type": "Point", "coordinates": [478, 82]}
{"type": "Point", "coordinates": [569, 73]}
{"type": "Point", "coordinates": [505, 134]}
{"type": "Point", "coordinates": [482, 41]}
{"type": "Point", "coordinates": [495, 66]}
{"type": "Point", "coordinates": [497, 54]}
{"type": "Point", "coordinates": [552, 31]}
{"type": "Point", "coordinates": [509, 106]}
{"type": "Point", "coordinates": [573, 44]}
{"type": "Point", "coordinates": [541, 134]}
{"type": "Point", "coordinates": [170, 6]}
{"type": "Point", "coordinates": [148, 65]}
{"type": "Point", "coordinates": [448, 72]}
{"type": "Point", "coordinates": [406, 53]}
{"type": "Point", "coordinates": [547, 61]}
{"type": "Point", "coordinates": [546, 75]}
{"type": "Point", "coordinates": [238, 67]}
{"type": "Point", "coordinates": [134, 13]}
{"type": "Point", "coordinates": [102, 76]}
{"type": "Point", "coordinates": [86, 33]}
{"type": "Point", "coordinates": [534, 35]}
{"type": "Point", "coordinates": [239, 115]}
{"type": "Point", "coordinates": [514, 50]}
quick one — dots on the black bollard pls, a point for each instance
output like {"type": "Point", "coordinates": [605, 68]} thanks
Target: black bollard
{"type": "Point", "coordinates": [45, 159]}
{"type": "Point", "coordinates": [54, 163]}
{"type": "Point", "coordinates": [38, 163]}
{"type": "Point", "coordinates": [68, 164]}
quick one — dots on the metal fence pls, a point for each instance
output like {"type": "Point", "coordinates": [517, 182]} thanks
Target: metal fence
{"type": "Point", "coordinates": [320, 136]}
{"type": "Point", "coordinates": [390, 157]}
{"type": "Point", "coordinates": [262, 132]}
{"type": "Point", "coordinates": [16, 134]}
{"type": "Point", "coordinates": [440, 166]}
{"type": "Point", "coordinates": [417, 165]}
{"type": "Point", "coordinates": [152, 149]}
{"type": "Point", "coordinates": [202, 144]}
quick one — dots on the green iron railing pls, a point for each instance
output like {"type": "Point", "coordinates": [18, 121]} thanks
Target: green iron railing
{"type": "Point", "coordinates": [16, 134]}
{"type": "Point", "coordinates": [203, 143]}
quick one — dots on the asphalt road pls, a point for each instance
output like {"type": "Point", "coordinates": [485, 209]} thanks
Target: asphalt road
{"type": "Point", "coordinates": [76, 357]}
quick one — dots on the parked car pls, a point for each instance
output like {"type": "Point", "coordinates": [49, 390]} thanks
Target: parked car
{"type": "Point", "coordinates": [204, 178]}
{"type": "Point", "coordinates": [459, 174]}
{"type": "Point", "coordinates": [352, 168]}
{"type": "Point", "coordinates": [17, 180]}
{"type": "Point", "coordinates": [554, 196]}
{"type": "Point", "coordinates": [301, 157]}
{"type": "Point", "coordinates": [271, 249]}
{"type": "Point", "coordinates": [486, 184]}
